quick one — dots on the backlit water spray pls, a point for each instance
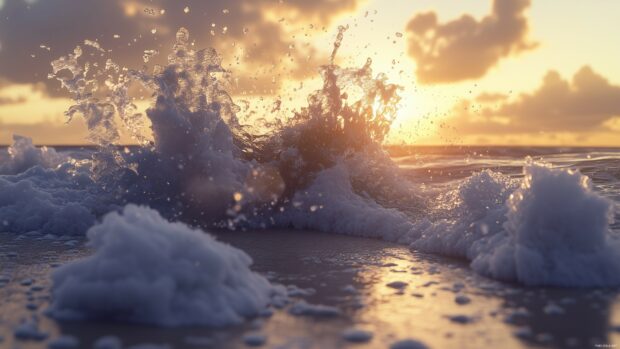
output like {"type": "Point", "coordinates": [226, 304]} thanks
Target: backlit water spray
{"type": "Point", "coordinates": [322, 168]}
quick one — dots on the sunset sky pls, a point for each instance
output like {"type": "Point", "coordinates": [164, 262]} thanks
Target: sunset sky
{"type": "Point", "coordinates": [509, 72]}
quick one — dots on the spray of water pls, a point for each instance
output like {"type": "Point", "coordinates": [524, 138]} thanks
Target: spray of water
{"type": "Point", "coordinates": [322, 168]}
{"type": "Point", "coordinates": [199, 160]}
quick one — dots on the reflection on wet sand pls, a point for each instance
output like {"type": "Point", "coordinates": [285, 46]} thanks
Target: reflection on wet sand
{"type": "Point", "coordinates": [378, 287]}
{"type": "Point", "coordinates": [396, 293]}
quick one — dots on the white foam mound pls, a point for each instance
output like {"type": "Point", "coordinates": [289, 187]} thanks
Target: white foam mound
{"type": "Point", "coordinates": [56, 201]}
{"type": "Point", "coordinates": [331, 205]}
{"type": "Point", "coordinates": [549, 228]}
{"type": "Point", "coordinates": [557, 233]}
{"type": "Point", "coordinates": [23, 155]}
{"type": "Point", "coordinates": [474, 211]}
{"type": "Point", "coordinates": [148, 270]}
{"type": "Point", "coordinates": [41, 190]}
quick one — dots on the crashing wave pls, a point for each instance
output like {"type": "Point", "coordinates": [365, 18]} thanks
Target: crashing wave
{"type": "Point", "coordinates": [202, 164]}
{"type": "Point", "coordinates": [22, 155]}
{"type": "Point", "coordinates": [323, 168]}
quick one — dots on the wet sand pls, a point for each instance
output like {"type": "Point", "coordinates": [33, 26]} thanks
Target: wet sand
{"type": "Point", "coordinates": [379, 287]}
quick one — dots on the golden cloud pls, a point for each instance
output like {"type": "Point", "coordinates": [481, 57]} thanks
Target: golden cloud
{"type": "Point", "coordinates": [465, 48]}
{"type": "Point", "coordinates": [587, 102]}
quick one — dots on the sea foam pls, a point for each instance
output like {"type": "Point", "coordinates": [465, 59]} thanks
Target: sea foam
{"type": "Point", "coordinates": [49, 192]}
{"type": "Point", "coordinates": [322, 169]}
{"type": "Point", "coordinates": [148, 270]}
{"type": "Point", "coordinates": [557, 232]}
{"type": "Point", "coordinates": [548, 228]}
{"type": "Point", "coordinates": [22, 155]}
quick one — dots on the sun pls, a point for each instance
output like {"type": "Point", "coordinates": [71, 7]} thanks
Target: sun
{"type": "Point", "coordinates": [412, 119]}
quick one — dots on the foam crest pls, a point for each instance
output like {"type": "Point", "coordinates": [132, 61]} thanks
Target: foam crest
{"type": "Point", "coordinates": [331, 205]}
{"type": "Point", "coordinates": [46, 192]}
{"type": "Point", "coordinates": [473, 211]}
{"type": "Point", "coordinates": [557, 232]}
{"type": "Point", "coordinates": [22, 155]}
{"type": "Point", "coordinates": [62, 201]}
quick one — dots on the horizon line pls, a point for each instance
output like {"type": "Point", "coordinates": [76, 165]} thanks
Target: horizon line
{"type": "Point", "coordinates": [385, 145]}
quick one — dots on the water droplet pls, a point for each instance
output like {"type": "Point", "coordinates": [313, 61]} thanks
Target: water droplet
{"type": "Point", "coordinates": [182, 36]}
{"type": "Point", "coordinates": [148, 54]}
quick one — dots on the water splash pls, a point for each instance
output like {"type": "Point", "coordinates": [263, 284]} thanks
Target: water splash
{"type": "Point", "coordinates": [321, 169]}
{"type": "Point", "coordinates": [198, 153]}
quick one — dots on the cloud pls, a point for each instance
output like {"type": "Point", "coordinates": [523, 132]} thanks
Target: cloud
{"type": "Point", "coordinates": [486, 97]}
{"type": "Point", "coordinates": [465, 48]}
{"type": "Point", "coordinates": [587, 102]}
{"type": "Point", "coordinates": [11, 100]}
{"type": "Point", "coordinates": [253, 36]}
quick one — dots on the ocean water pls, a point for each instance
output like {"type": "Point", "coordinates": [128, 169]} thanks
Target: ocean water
{"type": "Point", "coordinates": [446, 165]}
{"type": "Point", "coordinates": [352, 274]}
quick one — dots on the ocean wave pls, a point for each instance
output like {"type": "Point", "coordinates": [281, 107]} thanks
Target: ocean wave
{"type": "Point", "coordinates": [323, 168]}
